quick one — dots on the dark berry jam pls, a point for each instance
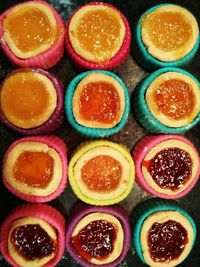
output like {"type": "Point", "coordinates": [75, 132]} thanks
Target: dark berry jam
{"type": "Point", "coordinates": [166, 241]}
{"type": "Point", "coordinates": [95, 240]}
{"type": "Point", "coordinates": [171, 168]}
{"type": "Point", "coordinates": [32, 242]}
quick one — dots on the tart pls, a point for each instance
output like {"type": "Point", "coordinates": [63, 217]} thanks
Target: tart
{"type": "Point", "coordinates": [97, 103]}
{"type": "Point", "coordinates": [32, 235]}
{"type": "Point", "coordinates": [166, 35]}
{"type": "Point", "coordinates": [98, 37]}
{"type": "Point", "coordinates": [110, 229]}
{"type": "Point", "coordinates": [101, 172]}
{"type": "Point", "coordinates": [35, 168]}
{"type": "Point", "coordinates": [163, 234]}
{"type": "Point", "coordinates": [38, 101]}
{"type": "Point", "coordinates": [167, 166]}
{"type": "Point", "coordinates": [32, 34]}
{"type": "Point", "coordinates": [168, 101]}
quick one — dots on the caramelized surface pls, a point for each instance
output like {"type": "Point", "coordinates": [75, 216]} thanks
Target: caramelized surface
{"type": "Point", "coordinates": [101, 173]}
{"type": "Point", "coordinates": [34, 169]}
{"type": "Point", "coordinates": [175, 99]}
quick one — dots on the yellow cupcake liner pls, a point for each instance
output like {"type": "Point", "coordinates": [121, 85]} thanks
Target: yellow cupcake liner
{"type": "Point", "coordinates": [81, 150]}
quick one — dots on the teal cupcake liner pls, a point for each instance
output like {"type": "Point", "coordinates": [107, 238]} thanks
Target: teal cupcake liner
{"type": "Point", "coordinates": [143, 113]}
{"type": "Point", "coordinates": [146, 60]}
{"type": "Point", "coordinates": [94, 132]}
{"type": "Point", "coordinates": [146, 209]}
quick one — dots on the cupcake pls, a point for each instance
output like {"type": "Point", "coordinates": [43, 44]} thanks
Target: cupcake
{"type": "Point", "coordinates": [101, 172]}
{"type": "Point", "coordinates": [33, 235]}
{"type": "Point", "coordinates": [35, 168]}
{"type": "Point", "coordinates": [97, 103]}
{"type": "Point", "coordinates": [38, 104]}
{"type": "Point", "coordinates": [32, 34]}
{"type": "Point", "coordinates": [163, 234]}
{"type": "Point", "coordinates": [98, 36]}
{"type": "Point", "coordinates": [167, 35]}
{"type": "Point", "coordinates": [98, 236]}
{"type": "Point", "coordinates": [167, 166]}
{"type": "Point", "coordinates": [168, 101]}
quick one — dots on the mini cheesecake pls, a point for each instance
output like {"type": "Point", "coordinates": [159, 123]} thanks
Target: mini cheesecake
{"type": "Point", "coordinates": [97, 34]}
{"type": "Point", "coordinates": [34, 168]}
{"type": "Point", "coordinates": [38, 101]}
{"type": "Point", "coordinates": [32, 34]}
{"type": "Point", "coordinates": [101, 173]}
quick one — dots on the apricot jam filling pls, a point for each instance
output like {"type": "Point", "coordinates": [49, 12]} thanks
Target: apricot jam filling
{"type": "Point", "coordinates": [175, 99]}
{"type": "Point", "coordinates": [30, 29]}
{"type": "Point", "coordinates": [34, 169]}
{"type": "Point", "coordinates": [95, 240]}
{"type": "Point", "coordinates": [166, 241]}
{"type": "Point", "coordinates": [100, 102]}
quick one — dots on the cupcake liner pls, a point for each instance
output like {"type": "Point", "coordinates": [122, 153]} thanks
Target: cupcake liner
{"type": "Point", "coordinates": [94, 132]}
{"type": "Point", "coordinates": [44, 60]}
{"type": "Point", "coordinates": [141, 150]}
{"type": "Point", "coordinates": [81, 210]}
{"type": "Point", "coordinates": [147, 208]}
{"type": "Point", "coordinates": [115, 61]}
{"type": "Point", "coordinates": [42, 211]}
{"type": "Point", "coordinates": [81, 150]}
{"type": "Point", "coordinates": [146, 60]}
{"type": "Point", "coordinates": [56, 119]}
{"type": "Point", "coordinates": [60, 147]}
{"type": "Point", "coordinates": [143, 113]}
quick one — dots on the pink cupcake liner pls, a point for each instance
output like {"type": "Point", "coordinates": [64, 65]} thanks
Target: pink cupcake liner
{"type": "Point", "coordinates": [60, 147]}
{"type": "Point", "coordinates": [56, 119]}
{"type": "Point", "coordinates": [42, 211]}
{"type": "Point", "coordinates": [115, 61]}
{"type": "Point", "coordinates": [48, 58]}
{"type": "Point", "coordinates": [78, 211]}
{"type": "Point", "coordinates": [139, 153]}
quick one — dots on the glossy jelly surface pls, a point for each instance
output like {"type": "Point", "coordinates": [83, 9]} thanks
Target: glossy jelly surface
{"type": "Point", "coordinates": [32, 242]}
{"type": "Point", "coordinates": [95, 240]}
{"type": "Point", "coordinates": [34, 169]}
{"type": "Point", "coordinates": [101, 173]}
{"type": "Point", "coordinates": [175, 99]}
{"type": "Point", "coordinates": [99, 102]}
{"type": "Point", "coordinates": [171, 168]}
{"type": "Point", "coordinates": [166, 241]}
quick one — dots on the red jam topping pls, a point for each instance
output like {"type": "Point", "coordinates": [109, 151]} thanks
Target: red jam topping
{"type": "Point", "coordinates": [102, 173]}
{"type": "Point", "coordinates": [95, 240]}
{"type": "Point", "coordinates": [171, 168]}
{"type": "Point", "coordinates": [34, 169]}
{"type": "Point", "coordinates": [32, 242]}
{"type": "Point", "coordinates": [175, 99]}
{"type": "Point", "coordinates": [99, 102]}
{"type": "Point", "coordinates": [166, 241]}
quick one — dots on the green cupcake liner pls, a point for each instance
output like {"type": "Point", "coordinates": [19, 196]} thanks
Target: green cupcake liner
{"type": "Point", "coordinates": [143, 113]}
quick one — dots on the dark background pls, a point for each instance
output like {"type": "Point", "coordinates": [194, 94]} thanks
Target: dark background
{"type": "Point", "coordinates": [131, 73]}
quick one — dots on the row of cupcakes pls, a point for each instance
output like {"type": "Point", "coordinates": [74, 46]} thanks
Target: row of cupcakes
{"type": "Point", "coordinates": [97, 36]}
{"type": "Point", "coordinates": [97, 102]}
{"type": "Point", "coordinates": [36, 235]}
{"type": "Point", "coordinates": [100, 172]}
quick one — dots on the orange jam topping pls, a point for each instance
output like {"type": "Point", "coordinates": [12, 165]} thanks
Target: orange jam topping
{"type": "Point", "coordinates": [98, 32]}
{"type": "Point", "coordinates": [102, 173]}
{"type": "Point", "coordinates": [99, 102]}
{"type": "Point", "coordinates": [175, 99]}
{"type": "Point", "coordinates": [24, 96]}
{"type": "Point", "coordinates": [29, 28]}
{"type": "Point", "coordinates": [34, 169]}
{"type": "Point", "coordinates": [168, 31]}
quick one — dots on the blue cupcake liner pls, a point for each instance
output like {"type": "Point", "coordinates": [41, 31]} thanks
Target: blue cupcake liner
{"type": "Point", "coordinates": [146, 209]}
{"type": "Point", "coordinates": [94, 132]}
{"type": "Point", "coordinates": [143, 113]}
{"type": "Point", "coordinates": [146, 60]}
